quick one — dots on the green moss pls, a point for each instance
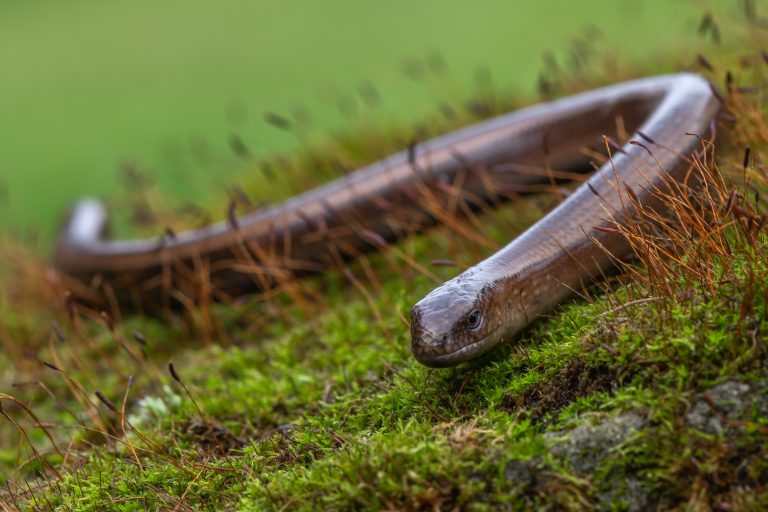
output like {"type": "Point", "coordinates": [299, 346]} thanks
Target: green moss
{"type": "Point", "coordinates": [315, 402]}
{"type": "Point", "coordinates": [326, 426]}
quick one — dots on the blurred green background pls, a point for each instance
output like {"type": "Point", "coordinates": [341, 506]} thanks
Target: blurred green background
{"type": "Point", "coordinates": [88, 84]}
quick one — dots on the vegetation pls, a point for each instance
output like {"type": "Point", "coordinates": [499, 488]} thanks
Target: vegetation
{"type": "Point", "coordinates": [84, 95]}
{"type": "Point", "coordinates": [649, 391]}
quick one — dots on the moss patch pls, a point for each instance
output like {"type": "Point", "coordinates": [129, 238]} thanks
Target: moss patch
{"type": "Point", "coordinates": [650, 393]}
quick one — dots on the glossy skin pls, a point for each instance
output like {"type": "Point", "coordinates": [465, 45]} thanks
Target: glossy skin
{"type": "Point", "coordinates": [311, 231]}
{"type": "Point", "coordinates": [496, 298]}
{"type": "Point", "coordinates": [478, 309]}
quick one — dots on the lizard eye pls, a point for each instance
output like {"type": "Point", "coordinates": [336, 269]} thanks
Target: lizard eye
{"type": "Point", "coordinates": [473, 320]}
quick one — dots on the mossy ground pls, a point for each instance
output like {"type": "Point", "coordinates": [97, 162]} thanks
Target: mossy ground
{"type": "Point", "coordinates": [649, 392]}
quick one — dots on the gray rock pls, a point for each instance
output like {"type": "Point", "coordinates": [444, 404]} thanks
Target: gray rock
{"type": "Point", "coordinates": [522, 472]}
{"type": "Point", "coordinates": [587, 445]}
{"type": "Point", "coordinates": [732, 400]}
{"type": "Point", "coordinates": [628, 494]}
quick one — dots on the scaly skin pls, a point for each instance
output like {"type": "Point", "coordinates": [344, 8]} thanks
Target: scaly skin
{"type": "Point", "coordinates": [484, 305]}
{"type": "Point", "coordinates": [498, 297]}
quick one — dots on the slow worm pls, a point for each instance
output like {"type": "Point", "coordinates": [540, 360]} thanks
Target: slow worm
{"type": "Point", "coordinates": [487, 303]}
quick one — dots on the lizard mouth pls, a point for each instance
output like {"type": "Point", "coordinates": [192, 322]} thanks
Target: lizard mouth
{"type": "Point", "coordinates": [461, 355]}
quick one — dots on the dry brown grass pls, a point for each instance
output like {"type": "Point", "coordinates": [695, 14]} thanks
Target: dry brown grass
{"type": "Point", "coordinates": [705, 238]}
